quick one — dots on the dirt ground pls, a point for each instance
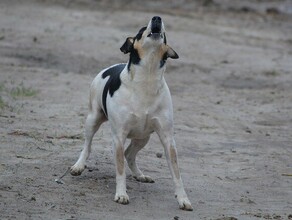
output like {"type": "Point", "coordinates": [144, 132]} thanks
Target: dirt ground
{"type": "Point", "coordinates": [232, 99]}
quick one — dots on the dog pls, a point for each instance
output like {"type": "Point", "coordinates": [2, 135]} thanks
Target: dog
{"type": "Point", "coordinates": [135, 99]}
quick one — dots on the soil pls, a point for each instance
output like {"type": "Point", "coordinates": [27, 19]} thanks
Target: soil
{"type": "Point", "coordinates": [232, 98]}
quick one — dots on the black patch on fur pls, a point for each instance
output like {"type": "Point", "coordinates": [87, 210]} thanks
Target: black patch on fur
{"type": "Point", "coordinates": [140, 33]}
{"type": "Point", "coordinates": [134, 58]}
{"type": "Point", "coordinates": [165, 41]}
{"type": "Point", "coordinates": [112, 84]}
{"type": "Point", "coordinates": [163, 60]}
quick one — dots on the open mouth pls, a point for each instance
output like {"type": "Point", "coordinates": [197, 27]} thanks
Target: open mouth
{"type": "Point", "coordinates": [155, 28]}
{"type": "Point", "coordinates": [155, 32]}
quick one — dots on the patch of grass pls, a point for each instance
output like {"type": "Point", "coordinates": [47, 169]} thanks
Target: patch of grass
{"type": "Point", "coordinates": [22, 91]}
{"type": "Point", "coordinates": [271, 73]}
{"type": "Point", "coordinates": [2, 103]}
{"type": "Point", "coordinates": [2, 87]}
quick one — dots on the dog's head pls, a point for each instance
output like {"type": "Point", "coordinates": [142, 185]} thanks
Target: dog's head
{"type": "Point", "coordinates": [150, 40]}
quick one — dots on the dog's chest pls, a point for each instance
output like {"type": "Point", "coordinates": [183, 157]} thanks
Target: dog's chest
{"type": "Point", "coordinates": [142, 107]}
{"type": "Point", "coordinates": [140, 124]}
{"type": "Point", "coordinates": [138, 103]}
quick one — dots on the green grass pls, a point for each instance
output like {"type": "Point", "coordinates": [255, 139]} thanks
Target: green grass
{"type": "Point", "coordinates": [2, 87]}
{"type": "Point", "coordinates": [2, 103]}
{"type": "Point", "coordinates": [272, 73]}
{"type": "Point", "coordinates": [22, 91]}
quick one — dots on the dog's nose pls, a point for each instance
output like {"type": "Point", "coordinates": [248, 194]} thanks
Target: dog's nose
{"type": "Point", "coordinates": [156, 19]}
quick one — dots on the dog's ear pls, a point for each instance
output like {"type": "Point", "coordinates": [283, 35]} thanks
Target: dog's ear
{"type": "Point", "coordinates": [127, 46]}
{"type": "Point", "coordinates": [171, 53]}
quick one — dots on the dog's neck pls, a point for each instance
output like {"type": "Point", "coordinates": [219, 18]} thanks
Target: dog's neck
{"type": "Point", "coordinates": [149, 68]}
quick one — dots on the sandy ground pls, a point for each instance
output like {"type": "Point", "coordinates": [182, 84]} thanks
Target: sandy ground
{"type": "Point", "coordinates": [232, 99]}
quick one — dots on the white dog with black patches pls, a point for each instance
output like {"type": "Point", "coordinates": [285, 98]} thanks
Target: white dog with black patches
{"type": "Point", "coordinates": [135, 99]}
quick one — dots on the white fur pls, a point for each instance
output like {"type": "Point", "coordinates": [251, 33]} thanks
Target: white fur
{"type": "Point", "coordinates": [140, 106]}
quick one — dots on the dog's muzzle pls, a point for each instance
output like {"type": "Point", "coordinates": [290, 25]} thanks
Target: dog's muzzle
{"type": "Point", "coordinates": [156, 25]}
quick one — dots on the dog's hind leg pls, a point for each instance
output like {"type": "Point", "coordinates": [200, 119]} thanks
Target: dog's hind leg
{"type": "Point", "coordinates": [93, 122]}
{"type": "Point", "coordinates": [135, 146]}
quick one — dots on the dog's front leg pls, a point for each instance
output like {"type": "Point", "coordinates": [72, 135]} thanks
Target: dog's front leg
{"type": "Point", "coordinates": [167, 140]}
{"type": "Point", "coordinates": [118, 150]}
{"type": "Point", "coordinates": [171, 156]}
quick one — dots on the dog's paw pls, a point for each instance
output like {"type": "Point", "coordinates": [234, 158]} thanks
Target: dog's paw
{"type": "Point", "coordinates": [185, 204]}
{"type": "Point", "coordinates": [122, 199]}
{"type": "Point", "coordinates": [76, 170]}
{"type": "Point", "coordinates": [144, 179]}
